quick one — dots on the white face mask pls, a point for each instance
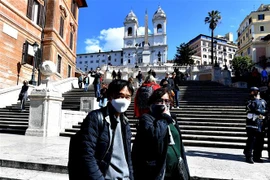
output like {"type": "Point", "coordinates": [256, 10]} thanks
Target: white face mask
{"type": "Point", "coordinates": [120, 105]}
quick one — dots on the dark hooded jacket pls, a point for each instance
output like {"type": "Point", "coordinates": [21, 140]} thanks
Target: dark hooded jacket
{"type": "Point", "coordinates": [150, 147]}
{"type": "Point", "coordinates": [91, 149]}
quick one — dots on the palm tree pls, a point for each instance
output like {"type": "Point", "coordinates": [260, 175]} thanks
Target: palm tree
{"type": "Point", "coordinates": [212, 19]}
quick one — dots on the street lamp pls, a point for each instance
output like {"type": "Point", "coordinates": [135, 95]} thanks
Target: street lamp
{"type": "Point", "coordinates": [136, 58]}
{"type": "Point", "coordinates": [225, 60]}
{"type": "Point", "coordinates": [107, 69]}
{"type": "Point", "coordinates": [215, 45]}
{"type": "Point", "coordinates": [159, 57]}
{"type": "Point", "coordinates": [35, 48]}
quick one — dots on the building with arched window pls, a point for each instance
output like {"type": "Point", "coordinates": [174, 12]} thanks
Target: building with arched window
{"type": "Point", "coordinates": [134, 44]}
{"type": "Point", "coordinates": [52, 25]}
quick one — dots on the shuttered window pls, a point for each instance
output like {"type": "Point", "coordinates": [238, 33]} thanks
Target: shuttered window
{"type": "Point", "coordinates": [71, 41]}
{"type": "Point", "coordinates": [69, 71]}
{"type": "Point", "coordinates": [61, 28]}
{"type": "Point", "coordinates": [73, 8]}
{"type": "Point", "coordinates": [59, 62]}
{"type": "Point", "coordinates": [36, 12]}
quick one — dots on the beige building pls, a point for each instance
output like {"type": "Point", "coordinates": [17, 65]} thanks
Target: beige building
{"type": "Point", "coordinates": [51, 24]}
{"type": "Point", "coordinates": [253, 34]}
{"type": "Point", "coordinates": [224, 49]}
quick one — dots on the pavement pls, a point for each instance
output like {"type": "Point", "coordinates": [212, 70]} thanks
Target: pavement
{"type": "Point", "coordinates": [38, 158]}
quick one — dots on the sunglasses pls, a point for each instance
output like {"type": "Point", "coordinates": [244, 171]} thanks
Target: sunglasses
{"type": "Point", "coordinates": [166, 101]}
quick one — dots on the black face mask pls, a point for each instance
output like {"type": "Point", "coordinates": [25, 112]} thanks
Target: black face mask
{"type": "Point", "coordinates": [157, 109]}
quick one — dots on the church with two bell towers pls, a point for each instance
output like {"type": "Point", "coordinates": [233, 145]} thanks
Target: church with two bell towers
{"type": "Point", "coordinates": [148, 49]}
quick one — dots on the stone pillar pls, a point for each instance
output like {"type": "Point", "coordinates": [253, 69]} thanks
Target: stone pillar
{"type": "Point", "coordinates": [216, 74]}
{"type": "Point", "coordinates": [45, 106]}
{"type": "Point", "coordinates": [88, 104]}
{"type": "Point", "coordinates": [226, 77]}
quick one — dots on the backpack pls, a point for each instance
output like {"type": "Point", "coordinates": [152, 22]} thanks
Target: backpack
{"type": "Point", "coordinates": [74, 156]}
{"type": "Point", "coordinates": [143, 95]}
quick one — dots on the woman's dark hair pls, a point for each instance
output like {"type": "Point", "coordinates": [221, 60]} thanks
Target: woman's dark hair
{"type": "Point", "coordinates": [117, 85]}
{"type": "Point", "coordinates": [157, 94]}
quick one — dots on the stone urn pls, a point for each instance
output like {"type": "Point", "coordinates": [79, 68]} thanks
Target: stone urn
{"type": "Point", "coordinates": [47, 69]}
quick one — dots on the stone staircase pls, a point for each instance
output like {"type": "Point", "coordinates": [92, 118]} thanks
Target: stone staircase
{"type": "Point", "coordinates": [210, 114]}
{"type": "Point", "coordinates": [12, 120]}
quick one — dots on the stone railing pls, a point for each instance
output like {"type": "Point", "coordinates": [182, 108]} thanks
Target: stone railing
{"type": "Point", "coordinates": [10, 95]}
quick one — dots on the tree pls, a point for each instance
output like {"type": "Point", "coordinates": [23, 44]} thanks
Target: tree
{"type": "Point", "coordinates": [212, 19]}
{"type": "Point", "coordinates": [241, 64]}
{"type": "Point", "coordinates": [184, 54]}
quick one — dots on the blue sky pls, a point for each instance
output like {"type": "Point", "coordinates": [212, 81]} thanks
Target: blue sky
{"type": "Point", "coordinates": [101, 23]}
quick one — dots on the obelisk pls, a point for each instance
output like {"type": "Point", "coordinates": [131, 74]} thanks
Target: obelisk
{"type": "Point", "coordinates": [146, 53]}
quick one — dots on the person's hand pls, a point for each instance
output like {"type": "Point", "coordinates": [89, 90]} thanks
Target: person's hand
{"type": "Point", "coordinates": [167, 117]}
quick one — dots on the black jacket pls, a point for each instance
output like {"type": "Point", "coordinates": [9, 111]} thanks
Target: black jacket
{"type": "Point", "coordinates": [255, 108]}
{"type": "Point", "coordinates": [150, 147]}
{"type": "Point", "coordinates": [90, 149]}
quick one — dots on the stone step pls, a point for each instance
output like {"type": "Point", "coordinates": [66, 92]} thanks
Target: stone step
{"type": "Point", "coordinates": [207, 128]}
{"type": "Point", "coordinates": [200, 119]}
{"type": "Point", "coordinates": [208, 118]}
{"type": "Point", "coordinates": [22, 174]}
{"type": "Point", "coordinates": [39, 166]}
{"type": "Point", "coordinates": [15, 122]}
{"type": "Point", "coordinates": [13, 131]}
{"type": "Point", "coordinates": [181, 123]}
{"type": "Point", "coordinates": [18, 118]}
{"type": "Point", "coordinates": [202, 114]}
{"type": "Point", "coordinates": [214, 133]}
{"type": "Point", "coordinates": [13, 114]}
{"type": "Point", "coordinates": [214, 138]}
{"type": "Point", "coordinates": [234, 145]}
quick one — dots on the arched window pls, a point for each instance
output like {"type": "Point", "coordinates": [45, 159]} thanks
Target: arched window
{"type": "Point", "coordinates": [159, 28]}
{"type": "Point", "coordinates": [130, 31]}
{"type": "Point", "coordinates": [128, 61]}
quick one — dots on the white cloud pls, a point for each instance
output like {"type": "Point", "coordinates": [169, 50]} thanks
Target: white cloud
{"type": "Point", "coordinates": [232, 26]}
{"type": "Point", "coordinates": [108, 39]}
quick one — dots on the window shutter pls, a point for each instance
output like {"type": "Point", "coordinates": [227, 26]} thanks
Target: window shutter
{"type": "Point", "coordinates": [41, 18]}
{"type": "Point", "coordinates": [71, 41]}
{"type": "Point", "coordinates": [29, 8]}
{"type": "Point", "coordinates": [61, 31]}
{"type": "Point", "coordinates": [38, 58]}
{"type": "Point", "coordinates": [25, 52]}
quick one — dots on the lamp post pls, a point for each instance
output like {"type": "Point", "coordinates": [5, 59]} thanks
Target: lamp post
{"type": "Point", "coordinates": [107, 68]}
{"type": "Point", "coordinates": [136, 58]}
{"type": "Point", "coordinates": [159, 57]}
{"type": "Point", "coordinates": [215, 45]}
{"type": "Point", "coordinates": [225, 60]}
{"type": "Point", "coordinates": [35, 48]}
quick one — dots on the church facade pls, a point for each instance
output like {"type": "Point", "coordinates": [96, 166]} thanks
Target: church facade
{"type": "Point", "coordinates": [155, 45]}
{"type": "Point", "coordinates": [135, 51]}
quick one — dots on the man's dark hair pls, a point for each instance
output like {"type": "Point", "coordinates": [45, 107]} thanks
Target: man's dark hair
{"type": "Point", "coordinates": [117, 85]}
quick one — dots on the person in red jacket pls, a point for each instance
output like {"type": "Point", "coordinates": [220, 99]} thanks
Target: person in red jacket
{"type": "Point", "coordinates": [143, 94]}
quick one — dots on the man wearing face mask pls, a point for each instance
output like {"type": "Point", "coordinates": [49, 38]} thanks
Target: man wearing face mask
{"type": "Point", "coordinates": [158, 143]}
{"type": "Point", "coordinates": [102, 150]}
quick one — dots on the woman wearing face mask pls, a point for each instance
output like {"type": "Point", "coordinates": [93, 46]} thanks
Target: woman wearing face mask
{"type": "Point", "coordinates": [158, 144]}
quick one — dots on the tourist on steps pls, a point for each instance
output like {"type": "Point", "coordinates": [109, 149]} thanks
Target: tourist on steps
{"type": "Point", "coordinates": [23, 95]}
{"type": "Point", "coordinates": [158, 151]}
{"type": "Point", "coordinates": [256, 111]}
{"type": "Point", "coordinates": [101, 149]}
